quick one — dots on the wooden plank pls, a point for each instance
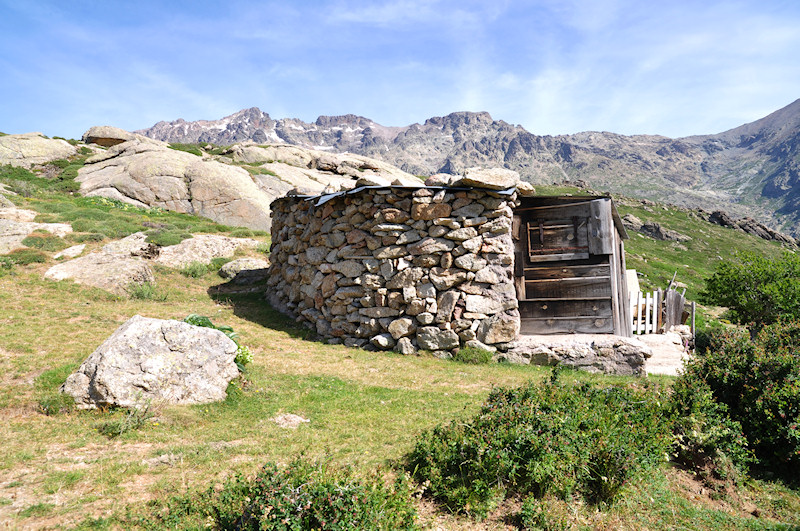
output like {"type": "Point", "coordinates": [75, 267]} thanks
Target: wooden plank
{"type": "Point", "coordinates": [567, 271]}
{"type": "Point", "coordinates": [560, 257]}
{"type": "Point", "coordinates": [566, 308]}
{"type": "Point", "coordinates": [566, 211]}
{"type": "Point", "coordinates": [574, 325]}
{"type": "Point", "coordinates": [516, 223]}
{"type": "Point", "coordinates": [601, 227]}
{"type": "Point", "coordinates": [597, 287]}
{"type": "Point", "coordinates": [648, 323]}
{"type": "Point", "coordinates": [638, 312]}
{"type": "Point", "coordinates": [519, 285]}
{"type": "Point", "coordinates": [615, 290]}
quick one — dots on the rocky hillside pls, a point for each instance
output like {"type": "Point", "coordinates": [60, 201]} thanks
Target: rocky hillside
{"type": "Point", "coordinates": [751, 170]}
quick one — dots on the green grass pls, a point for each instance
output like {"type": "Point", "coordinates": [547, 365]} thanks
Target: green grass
{"type": "Point", "coordinates": [188, 148]}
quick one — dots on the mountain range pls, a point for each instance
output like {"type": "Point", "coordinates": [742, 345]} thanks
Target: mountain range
{"type": "Point", "coordinates": [750, 171]}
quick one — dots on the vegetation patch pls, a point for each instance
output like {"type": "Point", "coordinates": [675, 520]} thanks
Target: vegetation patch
{"type": "Point", "coordinates": [49, 400]}
{"type": "Point", "coordinates": [24, 257]}
{"type": "Point", "coordinates": [188, 148]}
{"type": "Point", "coordinates": [540, 440]}
{"type": "Point", "coordinates": [473, 355]}
{"type": "Point", "coordinates": [147, 291]}
{"type": "Point", "coordinates": [302, 495]}
{"type": "Point", "coordinates": [44, 241]}
{"type": "Point", "coordinates": [757, 383]}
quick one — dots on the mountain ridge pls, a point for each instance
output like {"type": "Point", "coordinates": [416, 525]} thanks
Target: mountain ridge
{"type": "Point", "coordinates": [752, 170]}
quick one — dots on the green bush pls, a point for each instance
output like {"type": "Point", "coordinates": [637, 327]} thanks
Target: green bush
{"type": "Point", "coordinates": [758, 380]}
{"type": "Point", "coordinates": [539, 440]}
{"type": "Point", "coordinates": [474, 356]}
{"type": "Point", "coordinates": [706, 440]}
{"type": "Point", "coordinates": [302, 495]}
{"type": "Point", "coordinates": [755, 288]}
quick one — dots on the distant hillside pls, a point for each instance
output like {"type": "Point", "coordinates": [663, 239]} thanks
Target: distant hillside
{"type": "Point", "coordinates": [752, 170]}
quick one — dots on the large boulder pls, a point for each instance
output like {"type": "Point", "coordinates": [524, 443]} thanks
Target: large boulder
{"type": "Point", "coordinates": [108, 271]}
{"type": "Point", "coordinates": [147, 173]}
{"type": "Point", "coordinates": [107, 136]}
{"type": "Point", "coordinates": [29, 149]}
{"type": "Point", "coordinates": [161, 361]}
{"type": "Point", "coordinates": [202, 248]}
{"type": "Point", "coordinates": [492, 178]}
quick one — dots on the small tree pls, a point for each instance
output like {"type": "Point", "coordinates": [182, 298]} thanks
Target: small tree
{"type": "Point", "coordinates": [756, 289]}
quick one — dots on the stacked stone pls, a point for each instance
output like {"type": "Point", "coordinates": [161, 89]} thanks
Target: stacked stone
{"type": "Point", "coordinates": [398, 268]}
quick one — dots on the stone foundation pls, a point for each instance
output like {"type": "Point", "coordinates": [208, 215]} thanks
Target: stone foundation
{"type": "Point", "coordinates": [398, 268]}
{"type": "Point", "coordinates": [598, 353]}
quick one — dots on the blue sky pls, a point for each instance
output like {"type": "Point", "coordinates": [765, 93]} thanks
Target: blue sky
{"type": "Point", "coordinates": [674, 68]}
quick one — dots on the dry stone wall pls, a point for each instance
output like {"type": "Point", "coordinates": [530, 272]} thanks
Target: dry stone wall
{"type": "Point", "coordinates": [398, 268]}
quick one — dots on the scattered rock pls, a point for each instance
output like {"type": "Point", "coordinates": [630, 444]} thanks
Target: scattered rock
{"type": "Point", "coordinates": [202, 248]}
{"type": "Point", "coordinates": [13, 232]}
{"type": "Point", "coordinates": [657, 232]}
{"type": "Point", "coordinates": [289, 421]}
{"type": "Point", "coordinates": [245, 270]}
{"type": "Point", "coordinates": [70, 252]}
{"type": "Point", "coordinates": [163, 361]}
{"type": "Point", "coordinates": [111, 272]}
{"type": "Point", "coordinates": [493, 178]}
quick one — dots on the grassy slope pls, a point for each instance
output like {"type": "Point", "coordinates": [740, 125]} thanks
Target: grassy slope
{"type": "Point", "coordinates": [365, 408]}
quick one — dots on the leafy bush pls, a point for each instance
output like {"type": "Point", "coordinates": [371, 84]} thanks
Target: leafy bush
{"type": "Point", "coordinates": [472, 355]}
{"type": "Point", "coordinates": [755, 288]}
{"type": "Point", "coordinates": [303, 495]}
{"type": "Point", "coordinates": [758, 381]}
{"type": "Point", "coordinates": [538, 440]}
{"type": "Point", "coordinates": [706, 439]}
{"type": "Point", "coordinates": [546, 514]}
{"type": "Point", "coordinates": [243, 354]}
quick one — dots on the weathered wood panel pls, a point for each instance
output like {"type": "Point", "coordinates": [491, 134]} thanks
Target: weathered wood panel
{"type": "Point", "coordinates": [569, 288]}
{"type": "Point", "coordinates": [560, 308]}
{"type": "Point", "coordinates": [571, 325]}
{"type": "Point", "coordinates": [601, 227]}
{"type": "Point", "coordinates": [567, 271]}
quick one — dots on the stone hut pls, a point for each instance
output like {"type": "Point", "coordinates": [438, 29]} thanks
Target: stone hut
{"type": "Point", "coordinates": [439, 268]}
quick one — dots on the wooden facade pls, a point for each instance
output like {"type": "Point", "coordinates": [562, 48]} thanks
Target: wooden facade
{"type": "Point", "coordinates": [569, 266]}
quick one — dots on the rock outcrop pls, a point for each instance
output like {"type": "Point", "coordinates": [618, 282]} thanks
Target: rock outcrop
{"type": "Point", "coordinates": [202, 248]}
{"type": "Point", "coordinates": [29, 149]}
{"type": "Point", "coordinates": [17, 224]}
{"type": "Point", "coordinates": [146, 173]}
{"type": "Point", "coordinates": [157, 362]}
{"type": "Point", "coordinates": [111, 272]}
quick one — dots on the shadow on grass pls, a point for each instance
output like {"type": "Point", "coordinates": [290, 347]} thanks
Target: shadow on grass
{"type": "Point", "coordinates": [255, 308]}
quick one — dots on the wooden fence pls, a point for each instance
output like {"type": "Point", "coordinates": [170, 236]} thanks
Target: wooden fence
{"type": "Point", "coordinates": [655, 312]}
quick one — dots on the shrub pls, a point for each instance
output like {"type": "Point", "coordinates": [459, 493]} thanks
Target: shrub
{"type": "Point", "coordinates": [706, 440]}
{"type": "Point", "coordinates": [243, 354]}
{"type": "Point", "coordinates": [473, 355]}
{"type": "Point", "coordinates": [755, 288]}
{"type": "Point", "coordinates": [758, 381]}
{"type": "Point", "coordinates": [538, 440]}
{"type": "Point", "coordinates": [303, 495]}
